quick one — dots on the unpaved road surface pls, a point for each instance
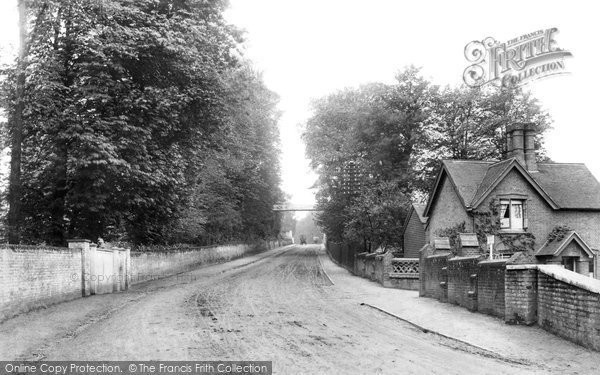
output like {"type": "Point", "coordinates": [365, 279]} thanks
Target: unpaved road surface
{"type": "Point", "coordinates": [277, 306]}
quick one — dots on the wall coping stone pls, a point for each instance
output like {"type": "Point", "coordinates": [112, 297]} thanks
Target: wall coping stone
{"type": "Point", "coordinates": [456, 259]}
{"type": "Point", "coordinates": [493, 261]}
{"type": "Point", "coordinates": [570, 277]}
{"type": "Point", "coordinates": [406, 259]}
{"type": "Point", "coordinates": [437, 256]}
{"type": "Point", "coordinates": [562, 274]}
{"type": "Point", "coordinates": [34, 248]}
{"type": "Point", "coordinates": [511, 267]}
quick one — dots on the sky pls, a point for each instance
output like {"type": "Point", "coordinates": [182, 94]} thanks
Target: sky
{"type": "Point", "coordinates": [309, 48]}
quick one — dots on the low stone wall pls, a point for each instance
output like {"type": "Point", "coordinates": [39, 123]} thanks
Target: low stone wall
{"type": "Point", "coordinates": [490, 287]}
{"type": "Point", "coordinates": [32, 277]}
{"type": "Point", "coordinates": [434, 277]}
{"type": "Point", "coordinates": [153, 265]}
{"type": "Point", "coordinates": [401, 273]}
{"type": "Point", "coordinates": [378, 268]}
{"type": "Point", "coordinates": [370, 266]}
{"type": "Point", "coordinates": [359, 264]}
{"type": "Point", "coordinates": [569, 305]}
{"type": "Point", "coordinates": [462, 281]}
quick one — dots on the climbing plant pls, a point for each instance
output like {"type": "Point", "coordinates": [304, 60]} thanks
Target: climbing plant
{"type": "Point", "coordinates": [488, 222]}
{"type": "Point", "coordinates": [452, 234]}
{"type": "Point", "coordinates": [558, 233]}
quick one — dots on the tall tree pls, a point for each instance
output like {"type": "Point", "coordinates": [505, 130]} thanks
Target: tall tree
{"type": "Point", "coordinates": [124, 108]}
{"type": "Point", "coordinates": [16, 124]}
{"type": "Point", "coordinates": [396, 135]}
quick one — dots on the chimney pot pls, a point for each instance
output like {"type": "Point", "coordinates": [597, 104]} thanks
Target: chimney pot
{"type": "Point", "coordinates": [530, 162]}
{"type": "Point", "coordinates": [516, 142]}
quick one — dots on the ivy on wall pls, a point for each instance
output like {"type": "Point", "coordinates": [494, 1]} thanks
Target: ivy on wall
{"type": "Point", "coordinates": [488, 222]}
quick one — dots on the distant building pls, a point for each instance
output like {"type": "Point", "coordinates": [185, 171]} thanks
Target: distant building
{"type": "Point", "coordinates": [528, 197]}
{"type": "Point", "coordinates": [413, 232]}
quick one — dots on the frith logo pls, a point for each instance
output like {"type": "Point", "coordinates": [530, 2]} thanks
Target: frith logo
{"type": "Point", "coordinates": [516, 62]}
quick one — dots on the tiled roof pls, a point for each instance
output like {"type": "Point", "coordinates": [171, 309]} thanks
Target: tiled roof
{"type": "Point", "coordinates": [493, 173]}
{"type": "Point", "coordinates": [569, 186]}
{"type": "Point", "coordinates": [466, 176]}
{"type": "Point", "coordinates": [554, 248]}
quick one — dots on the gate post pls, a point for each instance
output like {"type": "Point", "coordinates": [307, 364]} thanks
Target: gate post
{"type": "Point", "coordinates": [115, 269]}
{"type": "Point", "coordinates": [127, 267]}
{"type": "Point", "coordinates": [93, 276]}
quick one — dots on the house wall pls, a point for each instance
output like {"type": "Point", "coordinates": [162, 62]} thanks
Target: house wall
{"type": "Point", "coordinates": [414, 236]}
{"type": "Point", "coordinates": [447, 211]}
{"type": "Point", "coordinates": [541, 217]}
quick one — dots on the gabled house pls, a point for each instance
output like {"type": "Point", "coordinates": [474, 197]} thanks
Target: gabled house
{"type": "Point", "coordinates": [414, 225]}
{"type": "Point", "coordinates": [523, 201]}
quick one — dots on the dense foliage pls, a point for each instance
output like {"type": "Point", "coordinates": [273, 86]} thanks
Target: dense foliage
{"type": "Point", "coordinates": [392, 138]}
{"type": "Point", "coordinates": [141, 122]}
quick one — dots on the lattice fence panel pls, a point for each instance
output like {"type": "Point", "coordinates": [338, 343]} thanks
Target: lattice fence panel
{"type": "Point", "coordinates": [405, 268]}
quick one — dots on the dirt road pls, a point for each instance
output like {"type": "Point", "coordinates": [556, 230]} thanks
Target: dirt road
{"type": "Point", "coordinates": [277, 306]}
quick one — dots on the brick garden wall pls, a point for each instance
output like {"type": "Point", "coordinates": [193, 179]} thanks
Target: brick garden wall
{"type": "Point", "coordinates": [434, 277]}
{"type": "Point", "coordinates": [32, 277]}
{"type": "Point", "coordinates": [462, 281]}
{"type": "Point", "coordinates": [521, 295]}
{"type": "Point", "coordinates": [558, 300]}
{"type": "Point", "coordinates": [490, 287]}
{"type": "Point", "coordinates": [152, 265]}
{"type": "Point", "coordinates": [37, 276]}
{"type": "Point", "coordinates": [570, 307]}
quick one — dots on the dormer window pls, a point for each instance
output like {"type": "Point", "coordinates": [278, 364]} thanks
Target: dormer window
{"type": "Point", "coordinates": [512, 214]}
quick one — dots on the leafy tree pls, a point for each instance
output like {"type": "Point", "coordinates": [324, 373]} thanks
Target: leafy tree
{"type": "Point", "coordinates": [130, 110]}
{"type": "Point", "coordinates": [396, 136]}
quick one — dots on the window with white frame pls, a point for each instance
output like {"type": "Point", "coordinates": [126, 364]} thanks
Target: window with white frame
{"type": "Point", "coordinates": [512, 214]}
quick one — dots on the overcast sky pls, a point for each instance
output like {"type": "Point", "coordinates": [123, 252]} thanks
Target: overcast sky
{"type": "Point", "coordinates": [309, 48]}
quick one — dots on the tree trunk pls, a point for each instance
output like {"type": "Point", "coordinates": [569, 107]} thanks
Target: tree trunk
{"type": "Point", "coordinates": [16, 125]}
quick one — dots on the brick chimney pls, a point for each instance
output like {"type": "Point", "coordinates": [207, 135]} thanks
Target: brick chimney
{"type": "Point", "coordinates": [521, 145]}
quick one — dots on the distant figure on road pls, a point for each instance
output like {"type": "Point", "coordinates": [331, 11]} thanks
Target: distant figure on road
{"type": "Point", "coordinates": [302, 239]}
